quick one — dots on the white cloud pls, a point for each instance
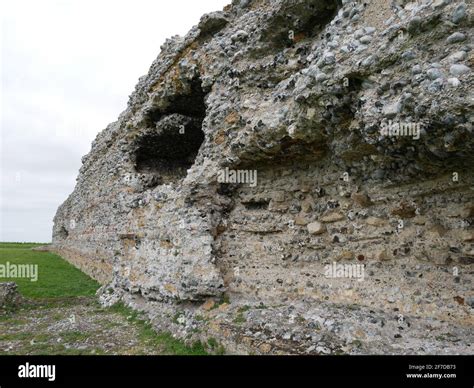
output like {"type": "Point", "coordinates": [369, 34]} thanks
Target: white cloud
{"type": "Point", "coordinates": [67, 69]}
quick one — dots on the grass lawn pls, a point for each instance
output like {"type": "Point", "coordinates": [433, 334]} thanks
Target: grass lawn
{"type": "Point", "coordinates": [56, 277]}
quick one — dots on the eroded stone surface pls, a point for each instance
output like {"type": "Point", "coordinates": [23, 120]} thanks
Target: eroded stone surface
{"type": "Point", "coordinates": [300, 92]}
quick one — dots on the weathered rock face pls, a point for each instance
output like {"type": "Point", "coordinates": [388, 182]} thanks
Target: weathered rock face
{"type": "Point", "coordinates": [9, 296]}
{"type": "Point", "coordinates": [275, 141]}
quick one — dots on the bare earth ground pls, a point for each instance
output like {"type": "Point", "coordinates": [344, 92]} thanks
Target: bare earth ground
{"type": "Point", "coordinates": [71, 326]}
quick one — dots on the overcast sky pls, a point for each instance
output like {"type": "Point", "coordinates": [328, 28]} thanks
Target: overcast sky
{"type": "Point", "coordinates": [67, 69]}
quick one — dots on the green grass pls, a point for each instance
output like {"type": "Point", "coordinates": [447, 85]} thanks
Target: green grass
{"type": "Point", "coordinates": [56, 277]}
{"type": "Point", "coordinates": [73, 336]}
{"type": "Point", "coordinates": [239, 318]}
{"type": "Point", "coordinates": [164, 341]}
{"type": "Point", "coordinates": [215, 346]}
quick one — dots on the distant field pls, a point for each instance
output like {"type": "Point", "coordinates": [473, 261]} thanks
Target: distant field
{"type": "Point", "coordinates": [56, 277]}
{"type": "Point", "coordinates": [20, 245]}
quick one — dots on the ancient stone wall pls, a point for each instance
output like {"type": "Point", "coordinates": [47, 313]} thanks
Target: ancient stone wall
{"type": "Point", "coordinates": [277, 143]}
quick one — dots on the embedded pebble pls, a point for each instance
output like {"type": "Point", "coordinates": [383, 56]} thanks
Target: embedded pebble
{"type": "Point", "coordinates": [456, 38]}
{"type": "Point", "coordinates": [458, 70]}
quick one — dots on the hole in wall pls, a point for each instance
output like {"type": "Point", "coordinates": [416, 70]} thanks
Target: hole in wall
{"type": "Point", "coordinates": [256, 205]}
{"type": "Point", "coordinates": [169, 147]}
{"type": "Point", "coordinates": [172, 150]}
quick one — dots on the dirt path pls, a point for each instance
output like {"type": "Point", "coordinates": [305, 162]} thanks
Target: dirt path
{"type": "Point", "coordinates": [72, 326]}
